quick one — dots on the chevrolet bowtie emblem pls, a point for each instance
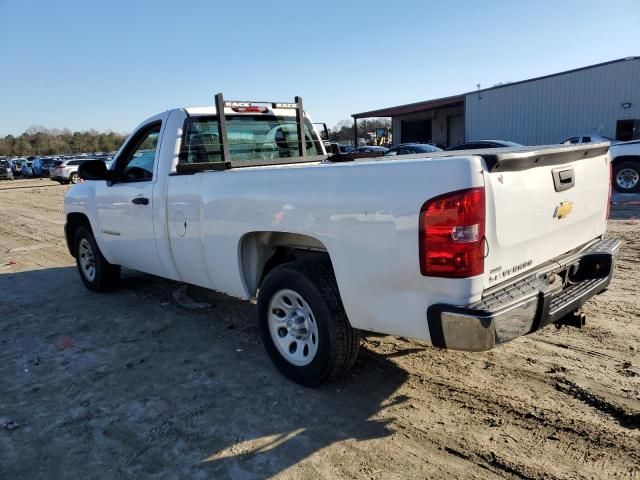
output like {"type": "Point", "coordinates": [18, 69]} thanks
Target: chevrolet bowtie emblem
{"type": "Point", "coordinates": [563, 210]}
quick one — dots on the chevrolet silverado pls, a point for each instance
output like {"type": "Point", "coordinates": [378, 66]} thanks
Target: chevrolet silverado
{"type": "Point", "coordinates": [465, 250]}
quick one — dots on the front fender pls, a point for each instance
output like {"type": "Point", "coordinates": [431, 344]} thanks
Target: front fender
{"type": "Point", "coordinates": [81, 198]}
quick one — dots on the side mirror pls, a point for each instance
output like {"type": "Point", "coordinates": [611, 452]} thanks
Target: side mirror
{"type": "Point", "coordinates": [93, 170]}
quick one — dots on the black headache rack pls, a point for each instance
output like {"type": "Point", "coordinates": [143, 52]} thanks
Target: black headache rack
{"type": "Point", "coordinates": [226, 162]}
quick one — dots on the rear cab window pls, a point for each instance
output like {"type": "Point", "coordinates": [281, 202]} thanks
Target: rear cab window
{"type": "Point", "coordinates": [252, 139]}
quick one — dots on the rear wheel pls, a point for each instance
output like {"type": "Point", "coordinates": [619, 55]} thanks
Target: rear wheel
{"type": "Point", "coordinates": [96, 273]}
{"type": "Point", "coordinates": [73, 178]}
{"type": "Point", "coordinates": [626, 177]}
{"type": "Point", "coordinates": [303, 324]}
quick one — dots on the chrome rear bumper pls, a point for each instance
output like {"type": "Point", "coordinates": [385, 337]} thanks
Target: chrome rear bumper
{"type": "Point", "coordinates": [526, 304]}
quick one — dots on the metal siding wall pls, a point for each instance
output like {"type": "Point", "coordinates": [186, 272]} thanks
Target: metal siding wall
{"type": "Point", "coordinates": [548, 110]}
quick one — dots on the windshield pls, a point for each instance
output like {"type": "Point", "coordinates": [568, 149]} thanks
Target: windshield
{"type": "Point", "coordinates": [251, 138]}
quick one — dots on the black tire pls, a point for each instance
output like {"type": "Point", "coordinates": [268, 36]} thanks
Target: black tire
{"type": "Point", "coordinates": [338, 342]}
{"type": "Point", "coordinates": [73, 178]}
{"type": "Point", "coordinates": [632, 170]}
{"type": "Point", "coordinates": [106, 276]}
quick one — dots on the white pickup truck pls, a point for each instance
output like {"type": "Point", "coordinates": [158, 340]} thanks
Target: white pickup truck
{"type": "Point", "coordinates": [625, 158]}
{"type": "Point", "coordinates": [466, 250]}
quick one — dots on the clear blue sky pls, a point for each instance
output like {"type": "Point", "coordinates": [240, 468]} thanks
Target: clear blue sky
{"type": "Point", "coordinates": [109, 64]}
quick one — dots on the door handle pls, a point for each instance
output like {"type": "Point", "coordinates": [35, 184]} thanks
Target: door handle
{"type": "Point", "coordinates": [140, 201]}
{"type": "Point", "coordinates": [563, 179]}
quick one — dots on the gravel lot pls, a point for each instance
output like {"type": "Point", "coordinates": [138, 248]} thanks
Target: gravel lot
{"type": "Point", "coordinates": [134, 385]}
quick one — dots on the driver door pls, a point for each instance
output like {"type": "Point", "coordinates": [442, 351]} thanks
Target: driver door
{"type": "Point", "coordinates": [125, 208]}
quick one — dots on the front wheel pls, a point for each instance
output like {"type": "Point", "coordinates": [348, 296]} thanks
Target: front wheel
{"type": "Point", "coordinates": [96, 273]}
{"type": "Point", "coordinates": [626, 177]}
{"type": "Point", "coordinates": [303, 324]}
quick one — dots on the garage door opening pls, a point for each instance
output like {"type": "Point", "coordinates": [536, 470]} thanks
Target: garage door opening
{"type": "Point", "coordinates": [628, 130]}
{"type": "Point", "coordinates": [415, 131]}
{"type": "Point", "coordinates": [455, 130]}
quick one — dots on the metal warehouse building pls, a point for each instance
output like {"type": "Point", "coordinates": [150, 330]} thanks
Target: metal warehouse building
{"type": "Point", "coordinates": [601, 99]}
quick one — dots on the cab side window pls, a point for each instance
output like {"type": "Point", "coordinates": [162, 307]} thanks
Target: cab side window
{"type": "Point", "coordinates": [137, 162]}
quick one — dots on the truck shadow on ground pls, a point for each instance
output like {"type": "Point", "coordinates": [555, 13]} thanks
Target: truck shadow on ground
{"type": "Point", "coordinates": [138, 385]}
{"type": "Point", "coordinates": [300, 422]}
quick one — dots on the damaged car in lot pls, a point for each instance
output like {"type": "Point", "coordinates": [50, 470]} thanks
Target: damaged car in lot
{"type": "Point", "coordinates": [475, 248]}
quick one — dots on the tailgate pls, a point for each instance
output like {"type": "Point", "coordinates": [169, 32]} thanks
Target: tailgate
{"type": "Point", "coordinates": [541, 204]}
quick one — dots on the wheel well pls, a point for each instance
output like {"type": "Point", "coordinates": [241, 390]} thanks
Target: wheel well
{"type": "Point", "coordinates": [261, 252]}
{"type": "Point", "coordinates": [74, 221]}
{"type": "Point", "coordinates": [626, 158]}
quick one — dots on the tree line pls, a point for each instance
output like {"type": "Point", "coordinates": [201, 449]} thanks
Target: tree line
{"type": "Point", "coordinates": [44, 141]}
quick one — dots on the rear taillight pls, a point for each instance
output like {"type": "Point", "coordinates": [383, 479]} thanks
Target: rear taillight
{"type": "Point", "coordinates": [452, 234]}
{"type": "Point", "coordinates": [610, 185]}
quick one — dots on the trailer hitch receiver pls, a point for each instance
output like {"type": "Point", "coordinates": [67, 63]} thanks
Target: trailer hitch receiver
{"type": "Point", "coordinates": [573, 319]}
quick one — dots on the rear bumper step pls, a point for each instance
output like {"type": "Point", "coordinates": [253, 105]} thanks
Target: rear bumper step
{"type": "Point", "coordinates": [527, 304]}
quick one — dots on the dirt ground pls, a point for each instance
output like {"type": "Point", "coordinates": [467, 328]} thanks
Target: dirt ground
{"type": "Point", "coordinates": [134, 385]}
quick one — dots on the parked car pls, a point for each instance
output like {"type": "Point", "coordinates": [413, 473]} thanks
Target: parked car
{"type": "Point", "coordinates": [37, 167]}
{"type": "Point", "coordinates": [411, 148]}
{"type": "Point", "coordinates": [26, 168]}
{"type": "Point", "coordinates": [66, 171]}
{"type": "Point", "coordinates": [587, 139]}
{"type": "Point", "coordinates": [482, 144]}
{"type": "Point", "coordinates": [41, 166]}
{"type": "Point", "coordinates": [625, 159]}
{"type": "Point", "coordinates": [16, 166]}
{"type": "Point", "coordinates": [5, 170]}
{"type": "Point", "coordinates": [370, 148]}
{"type": "Point", "coordinates": [464, 251]}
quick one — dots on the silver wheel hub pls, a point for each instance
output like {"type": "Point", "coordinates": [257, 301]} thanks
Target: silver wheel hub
{"type": "Point", "coordinates": [87, 260]}
{"type": "Point", "coordinates": [293, 327]}
{"type": "Point", "coordinates": [627, 178]}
